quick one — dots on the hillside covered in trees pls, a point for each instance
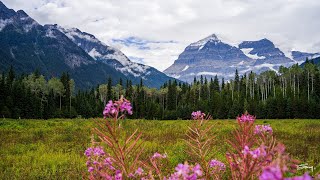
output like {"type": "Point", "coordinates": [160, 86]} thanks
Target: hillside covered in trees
{"type": "Point", "coordinates": [292, 93]}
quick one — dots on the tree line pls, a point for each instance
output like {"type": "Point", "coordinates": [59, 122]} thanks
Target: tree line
{"type": "Point", "coordinates": [293, 92]}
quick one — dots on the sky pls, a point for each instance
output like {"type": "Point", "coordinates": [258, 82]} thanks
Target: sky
{"type": "Point", "coordinates": [155, 32]}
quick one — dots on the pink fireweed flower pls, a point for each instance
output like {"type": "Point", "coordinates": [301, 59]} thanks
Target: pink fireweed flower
{"type": "Point", "coordinates": [139, 171]}
{"type": "Point", "coordinates": [217, 165]}
{"type": "Point", "coordinates": [88, 152]}
{"type": "Point", "coordinates": [110, 109]}
{"type": "Point", "coordinates": [118, 175]}
{"type": "Point", "coordinates": [260, 151]}
{"type": "Point", "coordinates": [197, 170]}
{"type": "Point", "coordinates": [186, 172]}
{"type": "Point", "coordinates": [182, 169]}
{"type": "Point", "coordinates": [246, 118]}
{"type": "Point", "coordinates": [259, 129]}
{"type": "Point", "coordinates": [306, 176]}
{"type": "Point", "coordinates": [271, 173]}
{"type": "Point", "coordinates": [197, 115]}
{"type": "Point", "coordinates": [108, 163]}
{"type": "Point", "coordinates": [158, 156]}
{"type": "Point", "coordinates": [90, 169]}
{"type": "Point", "coordinates": [126, 107]}
{"type": "Point", "coordinates": [246, 150]}
{"type": "Point", "coordinates": [98, 151]}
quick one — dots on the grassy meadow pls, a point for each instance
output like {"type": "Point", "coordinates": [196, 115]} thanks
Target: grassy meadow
{"type": "Point", "coordinates": [53, 149]}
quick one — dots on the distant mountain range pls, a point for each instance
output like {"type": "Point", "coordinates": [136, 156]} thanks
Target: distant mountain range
{"type": "Point", "coordinates": [26, 45]}
{"type": "Point", "coordinates": [210, 57]}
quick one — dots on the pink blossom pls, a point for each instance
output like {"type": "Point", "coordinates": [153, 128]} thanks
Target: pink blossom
{"type": "Point", "coordinates": [88, 152]}
{"type": "Point", "coordinates": [110, 109]}
{"type": "Point", "coordinates": [126, 107]}
{"type": "Point", "coordinates": [108, 163]}
{"type": "Point", "coordinates": [90, 169]}
{"type": "Point", "coordinates": [306, 176]}
{"type": "Point", "coordinates": [255, 153]}
{"type": "Point", "coordinates": [197, 170]}
{"type": "Point", "coordinates": [197, 115]}
{"type": "Point", "coordinates": [271, 173]}
{"type": "Point", "coordinates": [246, 118]}
{"type": "Point", "coordinates": [246, 150]}
{"type": "Point", "coordinates": [182, 169]}
{"type": "Point", "coordinates": [217, 165]}
{"type": "Point", "coordinates": [259, 129]}
{"type": "Point", "coordinates": [98, 151]}
{"type": "Point", "coordinates": [139, 171]}
{"type": "Point", "coordinates": [118, 175]}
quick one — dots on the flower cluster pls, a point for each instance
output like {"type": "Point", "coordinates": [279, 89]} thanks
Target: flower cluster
{"type": "Point", "coordinates": [126, 107]}
{"type": "Point", "coordinates": [198, 115]}
{"type": "Point", "coordinates": [109, 109]}
{"type": "Point", "coordinates": [185, 171]}
{"type": "Point", "coordinates": [260, 129]}
{"type": "Point", "coordinates": [217, 165]}
{"type": "Point", "coordinates": [259, 152]}
{"type": "Point", "coordinates": [100, 165]}
{"type": "Point", "coordinates": [246, 118]}
{"type": "Point", "coordinates": [97, 151]}
{"type": "Point", "coordinates": [270, 172]}
{"type": "Point", "coordinates": [113, 108]}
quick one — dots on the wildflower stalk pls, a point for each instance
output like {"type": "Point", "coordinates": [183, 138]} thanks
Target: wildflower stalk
{"type": "Point", "coordinates": [201, 142]}
{"type": "Point", "coordinates": [251, 150]}
{"type": "Point", "coordinates": [125, 152]}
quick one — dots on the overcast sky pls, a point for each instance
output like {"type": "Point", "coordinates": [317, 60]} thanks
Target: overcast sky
{"type": "Point", "coordinates": [155, 32]}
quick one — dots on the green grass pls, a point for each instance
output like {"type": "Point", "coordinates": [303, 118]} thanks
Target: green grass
{"type": "Point", "coordinates": [53, 149]}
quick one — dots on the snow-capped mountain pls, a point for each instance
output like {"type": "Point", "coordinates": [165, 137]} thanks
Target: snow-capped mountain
{"type": "Point", "coordinates": [210, 56]}
{"type": "Point", "coordinates": [28, 46]}
{"type": "Point", "coordinates": [114, 58]}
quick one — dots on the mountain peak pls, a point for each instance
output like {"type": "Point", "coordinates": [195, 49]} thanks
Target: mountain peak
{"type": "Point", "coordinates": [21, 13]}
{"type": "Point", "coordinates": [259, 43]}
{"type": "Point", "coordinates": [266, 40]}
{"type": "Point", "coordinates": [2, 6]}
{"type": "Point", "coordinates": [212, 37]}
{"type": "Point", "coordinates": [6, 13]}
{"type": "Point", "coordinates": [202, 42]}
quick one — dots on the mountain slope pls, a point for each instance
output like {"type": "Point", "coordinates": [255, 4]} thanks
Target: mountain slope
{"type": "Point", "coordinates": [265, 50]}
{"type": "Point", "coordinates": [316, 61]}
{"type": "Point", "coordinates": [115, 58]}
{"type": "Point", "coordinates": [210, 56]}
{"type": "Point", "coordinates": [27, 46]}
{"type": "Point", "coordinates": [302, 56]}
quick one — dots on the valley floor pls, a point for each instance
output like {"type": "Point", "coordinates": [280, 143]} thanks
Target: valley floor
{"type": "Point", "coordinates": [53, 149]}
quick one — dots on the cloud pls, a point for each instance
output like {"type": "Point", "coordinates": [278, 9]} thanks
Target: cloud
{"type": "Point", "coordinates": [134, 26]}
